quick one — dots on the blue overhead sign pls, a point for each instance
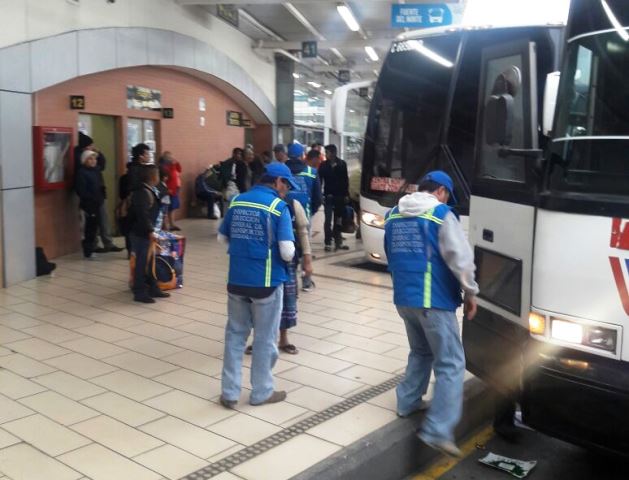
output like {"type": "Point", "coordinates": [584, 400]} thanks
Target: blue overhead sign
{"type": "Point", "coordinates": [420, 15]}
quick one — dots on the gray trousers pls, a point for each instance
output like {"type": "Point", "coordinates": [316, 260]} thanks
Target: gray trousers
{"type": "Point", "coordinates": [103, 228]}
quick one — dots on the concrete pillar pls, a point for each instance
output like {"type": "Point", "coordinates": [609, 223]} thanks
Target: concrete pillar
{"type": "Point", "coordinates": [285, 87]}
{"type": "Point", "coordinates": [17, 250]}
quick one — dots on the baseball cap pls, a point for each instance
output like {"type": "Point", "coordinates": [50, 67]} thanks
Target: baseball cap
{"type": "Point", "coordinates": [279, 148]}
{"type": "Point", "coordinates": [295, 150]}
{"type": "Point", "coordinates": [442, 178]}
{"type": "Point", "coordinates": [279, 170]}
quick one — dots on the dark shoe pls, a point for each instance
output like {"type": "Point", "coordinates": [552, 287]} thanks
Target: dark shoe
{"type": "Point", "coordinates": [114, 248]}
{"type": "Point", "coordinates": [159, 294]}
{"type": "Point", "coordinates": [175, 228]}
{"type": "Point", "coordinates": [100, 250]}
{"type": "Point", "coordinates": [508, 432]}
{"type": "Point", "coordinates": [231, 404]}
{"type": "Point", "coordinates": [213, 217]}
{"type": "Point", "coordinates": [341, 247]}
{"type": "Point", "coordinates": [289, 348]}
{"type": "Point", "coordinates": [274, 398]}
{"type": "Point", "coordinates": [143, 298]}
{"type": "Point", "coordinates": [328, 248]}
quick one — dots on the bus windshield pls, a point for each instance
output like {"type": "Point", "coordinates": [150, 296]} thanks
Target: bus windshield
{"type": "Point", "coordinates": [590, 151]}
{"type": "Point", "coordinates": [407, 115]}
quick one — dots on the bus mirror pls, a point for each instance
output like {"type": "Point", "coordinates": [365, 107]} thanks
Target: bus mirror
{"type": "Point", "coordinates": [550, 100]}
{"type": "Point", "coordinates": [498, 119]}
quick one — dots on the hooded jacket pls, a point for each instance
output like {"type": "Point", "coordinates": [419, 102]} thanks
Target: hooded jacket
{"type": "Point", "coordinates": [441, 270]}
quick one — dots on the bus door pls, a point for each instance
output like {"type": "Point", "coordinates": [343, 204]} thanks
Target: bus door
{"type": "Point", "coordinates": [502, 213]}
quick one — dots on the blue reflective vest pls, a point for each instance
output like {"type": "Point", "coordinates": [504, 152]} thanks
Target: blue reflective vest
{"type": "Point", "coordinates": [306, 180]}
{"type": "Point", "coordinates": [254, 223]}
{"type": "Point", "coordinates": [421, 278]}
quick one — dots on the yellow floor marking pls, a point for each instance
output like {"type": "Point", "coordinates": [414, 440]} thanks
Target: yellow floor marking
{"type": "Point", "coordinates": [444, 464]}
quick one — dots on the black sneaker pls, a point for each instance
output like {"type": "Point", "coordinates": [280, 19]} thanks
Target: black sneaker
{"type": "Point", "coordinates": [143, 298]}
{"type": "Point", "coordinates": [100, 250]}
{"type": "Point", "coordinates": [158, 294]}
{"type": "Point", "coordinates": [114, 248]}
{"type": "Point", "coordinates": [231, 404]}
{"type": "Point", "coordinates": [328, 248]}
{"type": "Point", "coordinates": [341, 247]}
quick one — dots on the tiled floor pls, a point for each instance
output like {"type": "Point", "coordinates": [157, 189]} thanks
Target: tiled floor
{"type": "Point", "coordinates": [93, 385]}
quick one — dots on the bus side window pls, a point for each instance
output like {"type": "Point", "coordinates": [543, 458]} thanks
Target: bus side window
{"type": "Point", "coordinates": [503, 110]}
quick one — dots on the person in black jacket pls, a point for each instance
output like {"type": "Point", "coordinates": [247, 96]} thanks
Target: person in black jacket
{"type": "Point", "coordinates": [91, 191]}
{"type": "Point", "coordinates": [235, 174]}
{"type": "Point", "coordinates": [335, 180]}
{"type": "Point", "coordinates": [144, 210]}
{"type": "Point", "coordinates": [127, 183]}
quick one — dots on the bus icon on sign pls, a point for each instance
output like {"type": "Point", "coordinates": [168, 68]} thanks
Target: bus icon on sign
{"type": "Point", "coordinates": [435, 15]}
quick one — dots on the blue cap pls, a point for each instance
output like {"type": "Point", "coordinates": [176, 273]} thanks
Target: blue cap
{"type": "Point", "coordinates": [295, 150]}
{"type": "Point", "coordinates": [279, 170]}
{"type": "Point", "coordinates": [442, 178]}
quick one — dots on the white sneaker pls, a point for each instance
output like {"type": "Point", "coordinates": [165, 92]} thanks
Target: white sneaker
{"type": "Point", "coordinates": [446, 447]}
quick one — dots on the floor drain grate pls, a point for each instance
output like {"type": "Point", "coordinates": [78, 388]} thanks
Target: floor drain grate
{"type": "Point", "coordinates": [300, 427]}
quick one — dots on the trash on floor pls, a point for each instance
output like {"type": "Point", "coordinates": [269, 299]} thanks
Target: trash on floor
{"type": "Point", "coordinates": [517, 468]}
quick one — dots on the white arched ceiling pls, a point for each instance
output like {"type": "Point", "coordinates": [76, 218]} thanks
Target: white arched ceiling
{"type": "Point", "coordinates": [35, 65]}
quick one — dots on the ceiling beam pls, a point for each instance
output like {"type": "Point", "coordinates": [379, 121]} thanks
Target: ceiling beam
{"type": "Point", "coordinates": [381, 43]}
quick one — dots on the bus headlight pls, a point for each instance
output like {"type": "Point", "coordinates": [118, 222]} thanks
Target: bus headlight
{"type": "Point", "coordinates": [566, 331]}
{"type": "Point", "coordinates": [372, 219]}
{"type": "Point", "coordinates": [599, 337]}
{"type": "Point", "coordinates": [592, 336]}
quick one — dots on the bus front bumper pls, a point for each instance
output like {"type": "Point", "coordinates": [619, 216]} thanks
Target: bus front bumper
{"type": "Point", "coordinates": [373, 243]}
{"type": "Point", "coordinates": [578, 397]}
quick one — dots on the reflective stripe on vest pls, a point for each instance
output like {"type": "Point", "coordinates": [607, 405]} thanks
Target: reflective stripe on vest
{"type": "Point", "coordinates": [271, 209]}
{"type": "Point", "coordinates": [267, 277]}
{"type": "Point", "coordinates": [307, 173]}
{"type": "Point", "coordinates": [428, 286]}
{"type": "Point", "coordinates": [428, 216]}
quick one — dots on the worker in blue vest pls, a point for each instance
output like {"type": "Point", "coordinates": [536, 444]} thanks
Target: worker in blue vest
{"type": "Point", "coordinates": [431, 262]}
{"type": "Point", "coordinates": [258, 229]}
{"type": "Point", "coordinates": [308, 194]}
{"type": "Point", "coordinates": [308, 191]}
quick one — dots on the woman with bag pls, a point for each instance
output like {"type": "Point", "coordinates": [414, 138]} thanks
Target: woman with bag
{"type": "Point", "coordinates": [145, 206]}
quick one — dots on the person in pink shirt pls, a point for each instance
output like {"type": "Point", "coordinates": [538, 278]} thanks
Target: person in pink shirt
{"type": "Point", "coordinates": [172, 167]}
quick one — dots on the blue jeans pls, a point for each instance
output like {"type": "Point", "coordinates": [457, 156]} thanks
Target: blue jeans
{"type": "Point", "coordinates": [435, 343]}
{"type": "Point", "coordinates": [243, 314]}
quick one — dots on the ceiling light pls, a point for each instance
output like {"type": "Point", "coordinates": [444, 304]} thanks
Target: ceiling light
{"type": "Point", "coordinates": [352, 111]}
{"type": "Point", "coordinates": [296, 75]}
{"type": "Point", "coordinates": [281, 51]}
{"type": "Point", "coordinates": [298, 92]}
{"type": "Point", "coordinates": [314, 84]}
{"type": "Point", "coordinates": [263, 28]}
{"type": "Point", "coordinates": [614, 21]}
{"type": "Point", "coordinates": [303, 20]}
{"type": "Point", "coordinates": [346, 13]}
{"type": "Point", "coordinates": [372, 53]}
{"type": "Point", "coordinates": [329, 92]}
{"type": "Point", "coordinates": [336, 52]}
{"type": "Point", "coordinates": [427, 52]}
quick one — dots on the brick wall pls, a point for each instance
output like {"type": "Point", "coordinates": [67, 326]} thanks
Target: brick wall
{"type": "Point", "coordinates": [195, 146]}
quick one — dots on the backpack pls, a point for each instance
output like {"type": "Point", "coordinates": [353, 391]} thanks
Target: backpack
{"type": "Point", "coordinates": [348, 224]}
{"type": "Point", "coordinates": [215, 179]}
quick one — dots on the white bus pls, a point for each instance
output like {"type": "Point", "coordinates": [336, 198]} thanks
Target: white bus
{"type": "Point", "coordinates": [423, 115]}
{"type": "Point", "coordinates": [548, 206]}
